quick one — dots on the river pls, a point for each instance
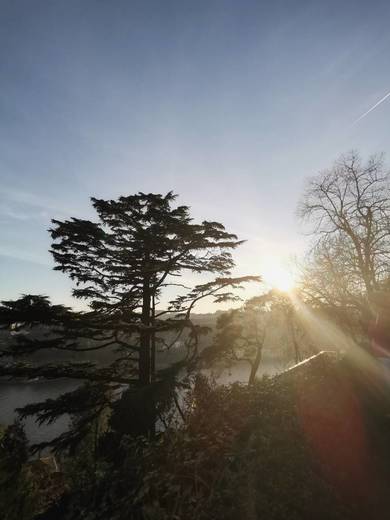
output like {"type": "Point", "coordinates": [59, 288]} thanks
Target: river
{"type": "Point", "coordinates": [17, 394]}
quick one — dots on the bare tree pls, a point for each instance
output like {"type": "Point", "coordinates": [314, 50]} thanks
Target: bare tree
{"type": "Point", "coordinates": [348, 209]}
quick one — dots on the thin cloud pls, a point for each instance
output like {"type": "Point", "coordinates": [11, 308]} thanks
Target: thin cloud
{"type": "Point", "coordinates": [21, 205]}
{"type": "Point", "coordinates": [372, 108]}
{"type": "Point", "coordinates": [23, 256]}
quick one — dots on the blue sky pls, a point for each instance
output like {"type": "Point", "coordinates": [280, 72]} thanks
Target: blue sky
{"type": "Point", "coordinates": [230, 104]}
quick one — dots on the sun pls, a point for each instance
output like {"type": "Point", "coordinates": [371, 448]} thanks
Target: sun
{"type": "Point", "coordinates": [278, 277]}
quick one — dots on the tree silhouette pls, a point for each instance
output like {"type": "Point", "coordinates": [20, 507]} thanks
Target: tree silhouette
{"type": "Point", "coordinates": [240, 335]}
{"type": "Point", "coordinates": [123, 264]}
{"type": "Point", "coordinates": [348, 207]}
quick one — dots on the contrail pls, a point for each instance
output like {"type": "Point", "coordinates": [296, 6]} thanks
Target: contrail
{"type": "Point", "coordinates": [372, 108]}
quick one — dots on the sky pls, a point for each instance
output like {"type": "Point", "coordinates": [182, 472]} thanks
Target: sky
{"type": "Point", "coordinates": [232, 105]}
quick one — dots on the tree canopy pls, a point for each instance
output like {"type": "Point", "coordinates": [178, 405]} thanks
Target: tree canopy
{"type": "Point", "coordinates": [123, 264]}
{"type": "Point", "coordinates": [348, 209]}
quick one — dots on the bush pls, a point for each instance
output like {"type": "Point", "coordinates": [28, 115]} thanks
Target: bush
{"type": "Point", "coordinates": [307, 444]}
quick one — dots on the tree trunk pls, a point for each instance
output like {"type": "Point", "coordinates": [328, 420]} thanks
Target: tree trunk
{"type": "Point", "coordinates": [153, 344]}
{"type": "Point", "coordinates": [145, 336]}
{"type": "Point", "coordinates": [255, 365]}
{"type": "Point", "coordinates": [298, 357]}
{"type": "Point", "coordinates": [290, 325]}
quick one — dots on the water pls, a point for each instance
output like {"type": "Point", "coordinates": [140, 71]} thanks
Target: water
{"type": "Point", "coordinates": [17, 394]}
{"type": "Point", "coordinates": [240, 371]}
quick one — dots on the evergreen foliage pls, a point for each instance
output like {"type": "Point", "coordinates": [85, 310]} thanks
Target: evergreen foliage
{"type": "Point", "coordinates": [311, 443]}
{"type": "Point", "coordinates": [18, 498]}
{"type": "Point", "coordinates": [122, 264]}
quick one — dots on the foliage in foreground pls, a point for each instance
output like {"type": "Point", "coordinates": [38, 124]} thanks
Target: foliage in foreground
{"type": "Point", "coordinates": [27, 488]}
{"type": "Point", "coordinates": [309, 444]}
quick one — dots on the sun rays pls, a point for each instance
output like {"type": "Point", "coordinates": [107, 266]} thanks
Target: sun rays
{"type": "Point", "coordinates": [278, 276]}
